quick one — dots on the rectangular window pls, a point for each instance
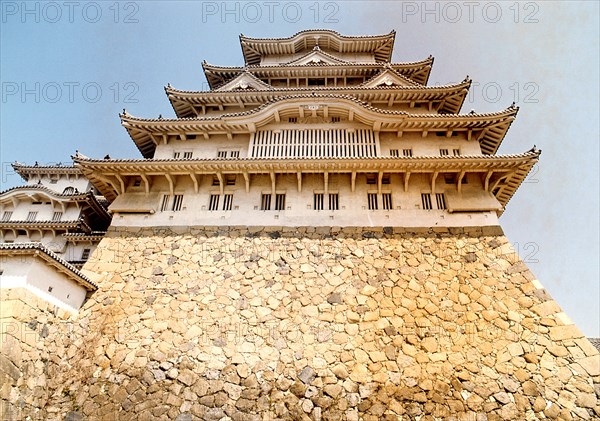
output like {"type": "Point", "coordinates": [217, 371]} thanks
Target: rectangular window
{"type": "Point", "coordinates": [164, 206]}
{"type": "Point", "coordinates": [449, 178]}
{"type": "Point", "coordinates": [234, 154]}
{"type": "Point", "coordinates": [6, 216]}
{"type": "Point", "coordinates": [213, 203]}
{"type": "Point", "coordinates": [187, 155]}
{"type": "Point", "coordinates": [334, 201]}
{"type": "Point", "coordinates": [177, 201]}
{"type": "Point", "coordinates": [426, 201]}
{"type": "Point", "coordinates": [215, 181]}
{"type": "Point", "coordinates": [280, 202]}
{"type": "Point", "coordinates": [176, 155]}
{"type": "Point", "coordinates": [230, 180]}
{"type": "Point", "coordinates": [57, 216]}
{"type": "Point", "coordinates": [440, 200]}
{"type": "Point", "coordinates": [386, 200]}
{"type": "Point", "coordinates": [265, 202]}
{"type": "Point", "coordinates": [221, 154]}
{"type": "Point", "coordinates": [85, 254]}
{"type": "Point", "coordinates": [371, 178]}
{"type": "Point", "coordinates": [372, 199]}
{"type": "Point", "coordinates": [456, 152]}
{"type": "Point", "coordinates": [137, 182]}
{"type": "Point", "coordinates": [292, 120]}
{"type": "Point", "coordinates": [335, 119]}
{"type": "Point", "coordinates": [318, 201]}
{"type": "Point", "coordinates": [227, 202]}
{"type": "Point", "coordinates": [31, 216]}
{"type": "Point", "coordinates": [385, 179]}
{"type": "Point", "coordinates": [394, 153]}
{"type": "Point", "coordinates": [444, 152]}
{"type": "Point", "coordinates": [407, 152]}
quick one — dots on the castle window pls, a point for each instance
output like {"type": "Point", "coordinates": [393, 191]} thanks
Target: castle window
{"type": "Point", "coordinates": [372, 201]}
{"type": "Point", "coordinates": [31, 216]}
{"type": "Point", "coordinates": [69, 190]}
{"type": "Point", "coordinates": [57, 216]}
{"type": "Point", "coordinates": [213, 202]}
{"type": "Point", "coordinates": [426, 201]}
{"type": "Point", "coordinates": [177, 201]}
{"type": "Point", "coordinates": [316, 82]}
{"type": "Point", "coordinates": [456, 152]}
{"type": "Point", "coordinates": [6, 216]}
{"type": "Point", "coordinates": [85, 254]}
{"type": "Point", "coordinates": [221, 154]}
{"type": "Point", "coordinates": [227, 202]}
{"type": "Point", "coordinates": [334, 201]}
{"type": "Point", "coordinates": [394, 153]}
{"type": "Point", "coordinates": [318, 201]}
{"type": "Point", "coordinates": [385, 179]}
{"type": "Point", "coordinates": [53, 181]}
{"type": "Point", "coordinates": [230, 180]}
{"type": "Point", "coordinates": [293, 120]}
{"type": "Point", "coordinates": [407, 152]}
{"type": "Point", "coordinates": [21, 232]}
{"type": "Point", "coordinates": [444, 152]}
{"type": "Point", "coordinates": [187, 155]}
{"type": "Point", "coordinates": [49, 289]}
{"type": "Point", "coordinates": [176, 155]}
{"type": "Point", "coordinates": [449, 178]}
{"type": "Point", "coordinates": [386, 199]}
{"type": "Point", "coordinates": [440, 200]}
{"type": "Point", "coordinates": [215, 181]}
{"type": "Point", "coordinates": [280, 202]}
{"type": "Point", "coordinates": [164, 206]}
{"type": "Point", "coordinates": [371, 178]}
{"type": "Point", "coordinates": [234, 154]}
{"type": "Point", "coordinates": [335, 119]}
{"type": "Point", "coordinates": [265, 201]}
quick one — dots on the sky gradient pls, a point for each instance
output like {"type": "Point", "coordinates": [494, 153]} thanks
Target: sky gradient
{"type": "Point", "coordinates": [67, 70]}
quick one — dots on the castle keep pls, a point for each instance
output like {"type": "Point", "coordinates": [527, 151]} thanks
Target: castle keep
{"type": "Point", "coordinates": [316, 237]}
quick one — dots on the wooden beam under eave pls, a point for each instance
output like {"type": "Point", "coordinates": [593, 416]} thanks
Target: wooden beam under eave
{"type": "Point", "coordinates": [433, 178]}
{"type": "Point", "coordinates": [273, 185]}
{"type": "Point", "coordinates": [183, 136]}
{"type": "Point", "coordinates": [301, 111]}
{"type": "Point", "coordinates": [425, 133]}
{"type": "Point", "coordinates": [229, 135]}
{"type": "Point", "coordinates": [326, 182]}
{"type": "Point", "coordinates": [247, 180]}
{"type": "Point", "coordinates": [277, 117]}
{"type": "Point", "coordinates": [221, 184]}
{"type": "Point", "coordinates": [406, 178]}
{"type": "Point", "coordinates": [486, 183]}
{"type": "Point", "coordinates": [195, 180]}
{"type": "Point", "coordinates": [146, 183]}
{"type": "Point", "coordinates": [165, 138]}
{"type": "Point", "coordinates": [299, 175]}
{"type": "Point", "coordinates": [469, 134]}
{"type": "Point", "coordinates": [459, 181]}
{"type": "Point", "coordinates": [153, 139]}
{"type": "Point", "coordinates": [171, 183]}
{"type": "Point", "coordinates": [325, 111]}
{"type": "Point", "coordinates": [379, 181]}
{"type": "Point", "coordinates": [353, 181]}
{"type": "Point", "coordinates": [351, 115]}
{"type": "Point", "coordinates": [121, 182]}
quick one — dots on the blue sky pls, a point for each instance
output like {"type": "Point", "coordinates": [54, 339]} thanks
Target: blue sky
{"type": "Point", "coordinates": [67, 70]}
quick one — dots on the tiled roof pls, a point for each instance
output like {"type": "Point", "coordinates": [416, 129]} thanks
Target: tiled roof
{"type": "Point", "coordinates": [595, 342]}
{"type": "Point", "coordinates": [40, 250]}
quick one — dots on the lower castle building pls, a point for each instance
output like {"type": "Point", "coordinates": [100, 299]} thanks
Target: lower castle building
{"type": "Point", "coordinates": [315, 238]}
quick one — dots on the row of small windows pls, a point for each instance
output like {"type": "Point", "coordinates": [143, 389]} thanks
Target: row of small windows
{"type": "Point", "coordinates": [333, 201]}
{"type": "Point", "coordinates": [31, 216]}
{"type": "Point", "coordinates": [426, 202]}
{"type": "Point", "coordinates": [396, 153]}
{"type": "Point", "coordinates": [220, 154]}
{"type": "Point", "coordinates": [373, 203]}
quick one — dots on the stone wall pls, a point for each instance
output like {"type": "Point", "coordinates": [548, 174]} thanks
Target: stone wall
{"type": "Point", "coordinates": [309, 324]}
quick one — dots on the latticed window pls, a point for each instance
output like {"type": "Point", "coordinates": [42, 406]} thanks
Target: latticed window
{"type": "Point", "coordinates": [31, 216]}
{"type": "Point", "coordinates": [234, 154]}
{"type": "Point", "coordinates": [187, 155]}
{"type": "Point", "coordinates": [444, 152]}
{"type": "Point", "coordinates": [213, 202]}
{"type": "Point", "coordinates": [265, 201]}
{"type": "Point", "coordinates": [6, 216]}
{"type": "Point", "coordinates": [371, 178]}
{"type": "Point", "coordinates": [407, 152]}
{"type": "Point", "coordinates": [440, 200]}
{"type": "Point", "coordinates": [318, 201]}
{"type": "Point", "coordinates": [426, 201]}
{"type": "Point", "coordinates": [176, 155]}
{"type": "Point", "coordinates": [227, 202]}
{"type": "Point", "coordinates": [57, 216]}
{"type": "Point", "coordinates": [386, 200]}
{"type": "Point", "coordinates": [230, 180]}
{"type": "Point", "coordinates": [394, 153]}
{"type": "Point", "coordinates": [280, 201]}
{"type": "Point", "coordinates": [334, 201]}
{"type": "Point", "coordinates": [164, 205]}
{"type": "Point", "coordinates": [222, 154]}
{"type": "Point", "coordinates": [456, 152]}
{"type": "Point", "coordinates": [372, 201]}
{"type": "Point", "coordinates": [177, 201]}
{"type": "Point", "coordinates": [85, 254]}
{"type": "Point", "coordinates": [215, 181]}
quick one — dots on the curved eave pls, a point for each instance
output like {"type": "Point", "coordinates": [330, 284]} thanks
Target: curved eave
{"type": "Point", "coordinates": [76, 237]}
{"type": "Point", "coordinates": [25, 171]}
{"type": "Point", "coordinates": [453, 96]}
{"type": "Point", "coordinates": [417, 71]}
{"type": "Point", "coordinates": [37, 192]}
{"type": "Point", "coordinates": [515, 167]}
{"type": "Point", "coordinates": [38, 250]}
{"type": "Point", "coordinates": [45, 225]}
{"type": "Point", "coordinates": [254, 48]}
{"type": "Point", "coordinates": [491, 127]}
